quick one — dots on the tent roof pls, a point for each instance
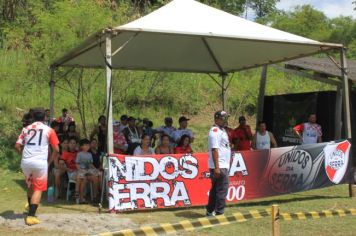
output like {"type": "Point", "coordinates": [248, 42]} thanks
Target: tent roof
{"type": "Point", "coordinates": [188, 36]}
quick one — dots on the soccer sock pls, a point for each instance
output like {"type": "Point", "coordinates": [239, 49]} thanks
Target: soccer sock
{"type": "Point", "coordinates": [29, 200]}
{"type": "Point", "coordinates": [33, 209]}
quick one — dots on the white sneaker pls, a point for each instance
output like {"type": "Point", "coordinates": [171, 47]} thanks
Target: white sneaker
{"type": "Point", "coordinates": [210, 213]}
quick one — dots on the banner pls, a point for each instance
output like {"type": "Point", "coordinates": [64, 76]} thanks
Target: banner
{"type": "Point", "coordinates": [159, 181]}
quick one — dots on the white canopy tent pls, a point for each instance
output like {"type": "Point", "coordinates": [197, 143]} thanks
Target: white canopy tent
{"type": "Point", "coordinates": [188, 36]}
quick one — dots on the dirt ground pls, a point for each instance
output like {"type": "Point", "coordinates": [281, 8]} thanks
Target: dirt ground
{"type": "Point", "coordinates": [80, 223]}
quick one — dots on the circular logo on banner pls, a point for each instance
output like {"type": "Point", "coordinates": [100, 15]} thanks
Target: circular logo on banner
{"type": "Point", "coordinates": [336, 159]}
{"type": "Point", "coordinates": [290, 171]}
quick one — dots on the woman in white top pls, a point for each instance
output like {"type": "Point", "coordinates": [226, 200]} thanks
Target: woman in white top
{"type": "Point", "coordinates": [145, 147]}
{"type": "Point", "coordinates": [263, 139]}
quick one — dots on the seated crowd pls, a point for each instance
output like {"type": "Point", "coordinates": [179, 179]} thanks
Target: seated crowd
{"type": "Point", "coordinates": [79, 159]}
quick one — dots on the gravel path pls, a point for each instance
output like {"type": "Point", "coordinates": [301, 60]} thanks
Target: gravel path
{"type": "Point", "coordinates": [81, 223]}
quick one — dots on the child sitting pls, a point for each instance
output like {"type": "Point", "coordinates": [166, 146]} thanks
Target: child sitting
{"type": "Point", "coordinates": [86, 172]}
{"type": "Point", "coordinates": [65, 164]}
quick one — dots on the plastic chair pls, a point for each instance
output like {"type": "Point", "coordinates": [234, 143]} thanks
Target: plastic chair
{"type": "Point", "coordinates": [71, 181]}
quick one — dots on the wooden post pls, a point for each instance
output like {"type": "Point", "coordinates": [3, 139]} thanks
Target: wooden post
{"type": "Point", "coordinates": [275, 220]}
{"type": "Point", "coordinates": [261, 94]}
{"type": "Point", "coordinates": [338, 113]}
{"type": "Point", "coordinates": [51, 94]}
{"type": "Point", "coordinates": [110, 141]}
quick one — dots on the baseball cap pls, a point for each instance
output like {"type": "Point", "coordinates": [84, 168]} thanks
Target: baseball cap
{"type": "Point", "coordinates": [221, 115]}
{"type": "Point", "coordinates": [168, 119]}
{"type": "Point", "coordinates": [123, 117]}
{"type": "Point", "coordinates": [116, 123]}
{"type": "Point", "coordinates": [183, 118]}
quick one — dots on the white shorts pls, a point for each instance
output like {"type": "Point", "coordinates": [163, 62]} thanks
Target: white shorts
{"type": "Point", "coordinates": [35, 174]}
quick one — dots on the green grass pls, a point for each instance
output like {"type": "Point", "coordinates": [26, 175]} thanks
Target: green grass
{"type": "Point", "coordinates": [12, 199]}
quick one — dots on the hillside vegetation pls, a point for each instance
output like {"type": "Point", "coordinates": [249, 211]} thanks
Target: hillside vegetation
{"type": "Point", "coordinates": [34, 33]}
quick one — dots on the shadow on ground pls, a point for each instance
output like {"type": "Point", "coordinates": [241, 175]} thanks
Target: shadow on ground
{"type": "Point", "coordinates": [11, 215]}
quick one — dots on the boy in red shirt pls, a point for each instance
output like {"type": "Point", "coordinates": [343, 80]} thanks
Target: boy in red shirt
{"type": "Point", "coordinates": [243, 136]}
{"type": "Point", "coordinates": [66, 163]}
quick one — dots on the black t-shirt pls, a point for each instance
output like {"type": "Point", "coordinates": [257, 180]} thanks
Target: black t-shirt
{"type": "Point", "coordinates": [96, 159]}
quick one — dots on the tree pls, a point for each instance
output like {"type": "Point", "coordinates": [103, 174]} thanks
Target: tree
{"type": "Point", "coordinates": [263, 8]}
{"type": "Point", "coordinates": [304, 21]}
{"type": "Point", "coordinates": [235, 7]}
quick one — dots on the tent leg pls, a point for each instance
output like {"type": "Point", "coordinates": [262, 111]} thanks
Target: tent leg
{"type": "Point", "coordinates": [51, 94]}
{"type": "Point", "coordinates": [346, 94]}
{"type": "Point", "coordinates": [347, 112]}
{"type": "Point", "coordinates": [223, 91]}
{"type": "Point", "coordinates": [338, 113]}
{"type": "Point", "coordinates": [261, 94]}
{"type": "Point", "coordinates": [110, 142]}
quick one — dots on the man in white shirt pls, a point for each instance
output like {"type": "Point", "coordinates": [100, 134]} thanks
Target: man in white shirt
{"type": "Point", "coordinates": [33, 143]}
{"type": "Point", "coordinates": [263, 139]}
{"type": "Point", "coordinates": [309, 132]}
{"type": "Point", "coordinates": [219, 164]}
{"type": "Point", "coordinates": [167, 129]}
{"type": "Point", "coordinates": [182, 130]}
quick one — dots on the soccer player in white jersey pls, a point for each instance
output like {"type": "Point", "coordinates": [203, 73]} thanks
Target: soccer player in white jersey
{"type": "Point", "coordinates": [33, 143]}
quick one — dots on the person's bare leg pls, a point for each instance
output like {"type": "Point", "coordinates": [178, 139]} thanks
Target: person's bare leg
{"type": "Point", "coordinates": [57, 181]}
{"type": "Point", "coordinates": [94, 180]}
{"type": "Point", "coordinates": [36, 197]}
{"type": "Point", "coordinates": [82, 189]}
{"type": "Point", "coordinates": [29, 195]}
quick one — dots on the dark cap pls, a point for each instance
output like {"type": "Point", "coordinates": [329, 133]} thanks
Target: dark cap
{"type": "Point", "coordinates": [123, 117]}
{"type": "Point", "coordinates": [168, 120]}
{"type": "Point", "coordinates": [183, 118]}
{"type": "Point", "coordinates": [64, 110]}
{"type": "Point", "coordinates": [221, 115]}
{"type": "Point", "coordinates": [242, 118]}
{"type": "Point", "coordinates": [131, 118]}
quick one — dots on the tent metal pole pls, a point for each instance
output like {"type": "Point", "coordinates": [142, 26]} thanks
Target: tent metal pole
{"type": "Point", "coordinates": [346, 94]}
{"type": "Point", "coordinates": [338, 113]}
{"type": "Point", "coordinates": [223, 91]}
{"type": "Point", "coordinates": [261, 94]}
{"type": "Point", "coordinates": [110, 141]}
{"type": "Point", "coordinates": [52, 84]}
{"type": "Point", "coordinates": [347, 115]}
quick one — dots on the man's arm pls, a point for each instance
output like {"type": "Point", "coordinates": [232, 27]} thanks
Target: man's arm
{"type": "Point", "coordinates": [320, 139]}
{"type": "Point", "coordinates": [249, 132]}
{"type": "Point", "coordinates": [215, 153]}
{"type": "Point", "coordinates": [94, 132]}
{"type": "Point", "coordinates": [18, 148]}
{"type": "Point", "coordinates": [54, 155]}
{"type": "Point", "coordinates": [254, 140]}
{"type": "Point", "coordinates": [273, 140]}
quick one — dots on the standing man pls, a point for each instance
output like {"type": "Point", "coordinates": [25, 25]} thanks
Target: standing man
{"type": "Point", "coordinates": [65, 120]}
{"type": "Point", "coordinates": [167, 129]}
{"type": "Point", "coordinates": [243, 136]}
{"type": "Point", "coordinates": [33, 143]}
{"type": "Point", "coordinates": [219, 164]}
{"type": "Point", "coordinates": [123, 122]}
{"type": "Point", "coordinates": [263, 139]}
{"type": "Point", "coordinates": [182, 130]}
{"type": "Point", "coordinates": [132, 135]}
{"type": "Point", "coordinates": [309, 132]}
